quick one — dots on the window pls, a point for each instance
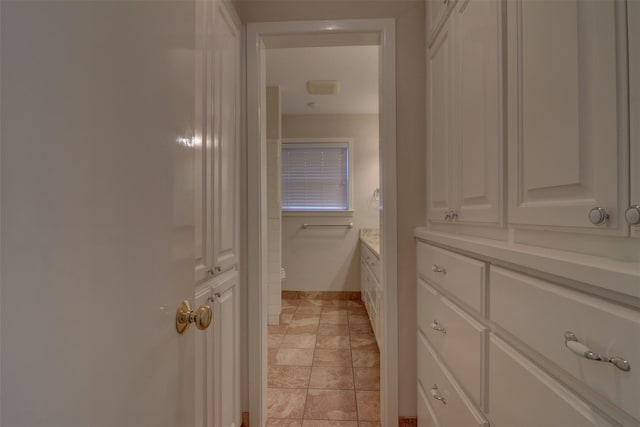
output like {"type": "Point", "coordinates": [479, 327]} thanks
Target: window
{"type": "Point", "coordinates": [316, 175]}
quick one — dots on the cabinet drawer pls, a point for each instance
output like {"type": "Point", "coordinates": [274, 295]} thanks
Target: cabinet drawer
{"type": "Point", "coordinates": [371, 259]}
{"type": "Point", "coordinates": [426, 416]}
{"type": "Point", "coordinates": [456, 337]}
{"type": "Point", "coordinates": [539, 313]}
{"type": "Point", "coordinates": [461, 276]}
{"type": "Point", "coordinates": [456, 410]}
{"type": "Point", "coordinates": [522, 395]}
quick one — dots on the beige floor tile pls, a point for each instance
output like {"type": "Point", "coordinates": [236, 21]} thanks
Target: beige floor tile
{"type": "Point", "coordinates": [358, 318]}
{"type": "Point", "coordinates": [305, 319]}
{"type": "Point", "coordinates": [275, 340]}
{"type": "Point", "coordinates": [331, 357]}
{"type": "Point", "coordinates": [277, 329]}
{"type": "Point", "coordinates": [326, 423]}
{"type": "Point", "coordinates": [333, 309]}
{"type": "Point", "coordinates": [274, 422]}
{"type": "Point", "coordinates": [335, 303]}
{"type": "Point", "coordinates": [368, 405]}
{"type": "Point", "coordinates": [365, 358]}
{"type": "Point", "coordinates": [367, 378]}
{"type": "Point", "coordinates": [311, 309]}
{"type": "Point", "coordinates": [361, 328]}
{"type": "Point", "coordinates": [290, 303]}
{"type": "Point", "coordinates": [285, 318]}
{"type": "Point", "coordinates": [358, 311]}
{"type": "Point", "coordinates": [335, 318]}
{"type": "Point", "coordinates": [298, 341]}
{"type": "Point", "coordinates": [286, 403]}
{"type": "Point", "coordinates": [330, 405]}
{"type": "Point", "coordinates": [271, 356]}
{"type": "Point", "coordinates": [368, 424]}
{"type": "Point", "coordinates": [289, 376]}
{"type": "Point", "coordinates": [355, 304]}
{"type": "Point", "coordinates": [328, 341]}
{"type": "Point", "coordinates": [310, 302]}
{"type": "Point", "coordinates": [363, 342]}
{"type": "Point", "coordinates": [294, 356]}
{"type": "Point", "coordinates": [334, 378]}
{"type": "Point", "coordinates": [302, 329]}
{"type": "Point", "coordinates": [335, 330]}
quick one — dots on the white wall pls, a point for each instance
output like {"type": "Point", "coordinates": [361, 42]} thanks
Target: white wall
{"type": "Point", "coordinates": [328, 259]}
{"type": "Point", "coordinates": [410, 137]}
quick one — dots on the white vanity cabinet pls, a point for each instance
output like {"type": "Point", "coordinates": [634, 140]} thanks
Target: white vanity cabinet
{"type": "Point", "coordinates": [371, 289]}
{"type": "Point", "coordinates": [513, 345]}
{"type": "Point", "coordinates": [464, 115]}
{"type": "Point", "coordinates": [568, 115]}
{"type": "Point", "coordinates": [217, 140]}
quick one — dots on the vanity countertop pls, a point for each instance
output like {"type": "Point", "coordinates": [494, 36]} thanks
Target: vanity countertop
{"type": "Point", "coordinates": [371, 238]}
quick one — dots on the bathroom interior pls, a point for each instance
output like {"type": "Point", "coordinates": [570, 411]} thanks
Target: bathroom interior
{"type": "Point", "coordinates": [325, 299]}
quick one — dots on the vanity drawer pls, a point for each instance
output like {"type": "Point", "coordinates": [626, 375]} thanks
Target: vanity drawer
{"type": "Point", "coordinates": [463, 277]}
{"type": "Point", "coordinates": [371, 259]}
{"type": "Point", "coordinates": [455, 409]}
{"type": "Point", "coordinates": [457, 338]}
{"type": "Point", "coordinates": [426, 416]}
{"type": "Point", "coordinates": [522, 395]}
{"type": "Point", "coordinates": [539, 313]}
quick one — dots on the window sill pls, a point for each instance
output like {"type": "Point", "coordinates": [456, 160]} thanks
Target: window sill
{"type": "Point", "coordinates": [348, 213]}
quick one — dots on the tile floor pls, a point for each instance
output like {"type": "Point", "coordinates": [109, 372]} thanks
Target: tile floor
{"type": "Point", "coordinates": [324, 366]}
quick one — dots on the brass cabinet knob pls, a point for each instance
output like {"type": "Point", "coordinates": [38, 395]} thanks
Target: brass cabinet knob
{"type": "Point", "coordinates": [185, 316]}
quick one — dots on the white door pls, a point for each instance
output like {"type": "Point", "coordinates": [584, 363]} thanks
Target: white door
{"type": "Point", "coordinates": [568, 114]}
{"type": "Point", "coordinates": [97, 213]}
{"type": "Point", "coordinates": [633, 11]}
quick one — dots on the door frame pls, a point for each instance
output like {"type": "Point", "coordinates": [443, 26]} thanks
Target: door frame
{"type": "Point", "coordinates": [256, 255]}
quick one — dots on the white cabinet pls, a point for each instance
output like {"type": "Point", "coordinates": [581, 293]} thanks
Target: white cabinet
{"type": "Point", "coordinates": [568, 114]}
{"type": "Point", "coordinates": [217, 141]}
{"type": "Point", "coordinates": [372, 290]}
{"type": "Point", "coordinates": [465, 116]}
{"type": "Point", "coordinates": [218, 355]}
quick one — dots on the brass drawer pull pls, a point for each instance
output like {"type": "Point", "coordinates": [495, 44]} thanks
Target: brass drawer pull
{"type": "Point", "coordinates": [437, 269]}
{"type": "Point", "coordinates": [438, 327]}
{"type": "Point", "coordinates": [436, 395]}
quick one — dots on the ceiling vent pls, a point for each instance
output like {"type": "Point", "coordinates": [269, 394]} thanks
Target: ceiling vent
{"type": "Point", "coordinates": [323, 87]}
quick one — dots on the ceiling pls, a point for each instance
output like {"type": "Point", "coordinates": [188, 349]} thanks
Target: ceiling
{"type": "Point", "coordinates": [355, 67]}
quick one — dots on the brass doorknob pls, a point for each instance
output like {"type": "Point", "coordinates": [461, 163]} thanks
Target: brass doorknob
{"type": "Point", "coordinates": [185, 316]}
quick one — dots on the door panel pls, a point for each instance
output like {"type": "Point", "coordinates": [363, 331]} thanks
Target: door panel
{"type": "Point", "coordinates": [227, 140]}
{"type": "Point", "coordinates": [633, 20]}
{"type": "Point", "coordinates": [97, 213]}
{"type": "Point", "coordinates": [478, 95]}
{"type": "Point", "coordinates": [568, 131]}
{"type": "Point", "coordinates": [439, 124]}
{"type": "Point", "coordinates": [226, 312]}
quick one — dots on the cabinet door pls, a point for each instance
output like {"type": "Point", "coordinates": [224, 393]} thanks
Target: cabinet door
{"type": "Point", "coordinates": [226, 329]}
{"type": "Point", "coordinates": [439, 146]}
{"type": "Point", "coordinates": [226, 109]}
{"type": "Point", "coordinates": [478, 120]}
{"type": "Point", "coordinates": [633, 10]}
{"type": "Point", "coordinates": [568, 113]}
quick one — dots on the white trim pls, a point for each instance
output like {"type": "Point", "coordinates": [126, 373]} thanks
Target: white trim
{"type": "Point", "coordinates": [256, 137]}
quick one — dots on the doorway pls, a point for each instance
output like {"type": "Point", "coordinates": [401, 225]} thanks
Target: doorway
{"type": "Point", "coordinates": [314, 34]}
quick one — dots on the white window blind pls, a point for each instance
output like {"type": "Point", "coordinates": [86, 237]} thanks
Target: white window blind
{"type": "Point", "coordinates": [315, 176]}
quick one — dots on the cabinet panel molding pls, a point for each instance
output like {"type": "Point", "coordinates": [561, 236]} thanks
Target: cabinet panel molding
{"type": "Point", "coordinates": [568, 133]}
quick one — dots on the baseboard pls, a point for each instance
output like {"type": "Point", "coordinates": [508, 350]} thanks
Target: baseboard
{"type": "Point", "coordinates": [323, 295]}
{"type": "Point", "coordinates": [407, 422]}
{"type": "Point", "coordinates": [245, 419]}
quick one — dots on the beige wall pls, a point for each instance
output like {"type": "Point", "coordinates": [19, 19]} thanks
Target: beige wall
{"type": "Point", "coordinates": [410, 136]}
{"type": "Point", "coordinates": [328, 259]}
